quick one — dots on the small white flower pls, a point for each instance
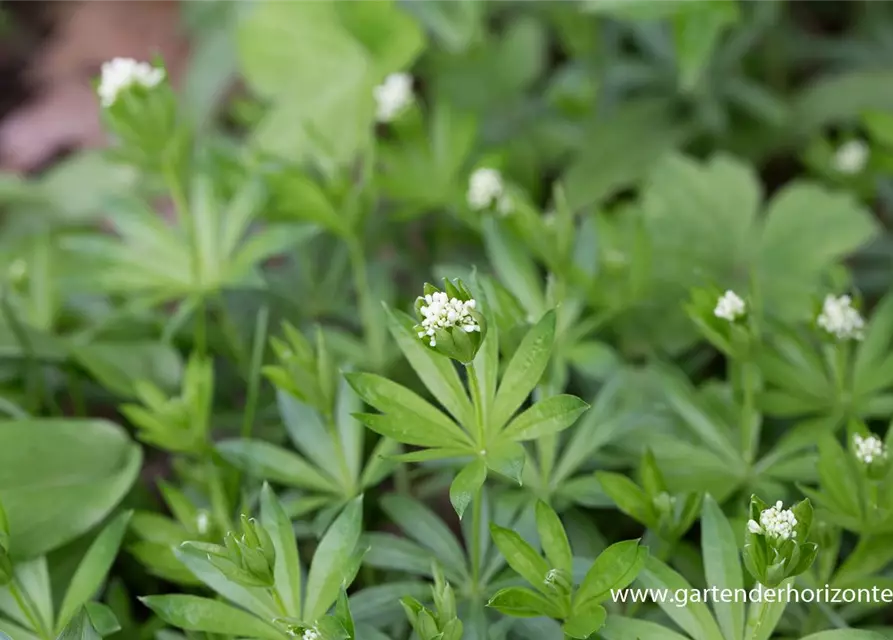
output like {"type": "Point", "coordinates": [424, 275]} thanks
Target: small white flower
{"type": "Point", "coordinates": [122, 73]}
{"type": "Point", "coordinates": [775, 523]}
{"type": "Point", "coordinates": [869, 449]}
{"type": "Point", "coordinates": [441, 312]}
{"type": "Point", "coordinates": [202, 521]}
{"type": "Point", "coordinates": [310, 634]}
{"type": "Point", "coordinates": [851, 157]}
{"type": "Point", "coordinates": [840, 318]}
{"type": "Point", "coordinates": [392, 96]}
{"type": "Point", "coordinates": [551, 575]}
{"type": "Point", "coordinates": [486, 189]}
{"type": "Point", "coordinates": [730, 306]}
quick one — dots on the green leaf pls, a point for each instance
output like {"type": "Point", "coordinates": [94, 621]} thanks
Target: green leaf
{"type": "Point", "coordinates": [467, 484]}
{"type": "Point", "coordinates": [59, 478]}
{"type": "Point", "coordinates": [287, 572]}
{"type": "Point", "coordinates": [422, 525]}
{"type": "Point", "coordinates": [117, 365]}
{"type": "Point", "coordinates": [546, 417]}
{"type": "Point", "coordinates": [299, 197]}
{"type": "Point", "coordinates": [696, 32]}
{"type": "Point", "coordinates": [521, 557]}
{"type": "Point", "coordinates": [278, 45]}
{"type": "Point", "coordinates": [635, 138]}
{"type": "Point", "coordinates": [435, 371]}
{"type": "Point", "coordinates": [844, 634]}
{"type": "Point", "coordinates": [628, 496]}
{"type": "Point", "coordinates": [94, 567]}
{"type": "Point", "coordinates": [722, 567]}
{"type": "Point", "coordinates": [453, 24]}
{"type": "Point", "coordinates": [614, 568]}
{"type": "Point", "coordinates": [390, 35]}
{"type": "Point", "coordinates": [160, 560]}
{"type": "Point", "coordinates": [695, 618]}
{"type": "Point", "coordinates": [79, 628]}
{"type": "Point", "coordinates": [524, 371]}
{"type": "Point", "coordinates": [698, 416]}
{"type": "Point", "coordinates": [195, 556]}
{"type": "Point", "coordinates": [620, 628]}
{"type": "Point", "coordinates": [507, 458]}
{"type": "Point", "coordinates": [328, 571]}
{"type": "Point", "coordinates": [102, 618]}
{"type": "Point", "coordinates": [420, 421]}
{"type": "Point", "coordinates": [871, 555]}
{"type": "Point", "coordinates": [514, 266]}
{"type": "Point", "coordinates": [637, 10]}
{"type": "Point", "coordinates": [841, 99]}
{"type": "Point", "coordinates": [15, 631]}
{"type": "Point", "coordinates": [262, 459]}
{"type": "Point", "coordinates": [807, 229]}
{"type": "Point", "coordinates": [703, 211]}
{"type": "Point", "coordinates": [838, 477]}
{"type": "Point", "coordinates": [553, 538]}
{"type": "Point", "coordinates": [523, 603]}
{"type": "Point", "coordinates": [584, 623]}
{"type": "Point", "coordinates": [193, 613]}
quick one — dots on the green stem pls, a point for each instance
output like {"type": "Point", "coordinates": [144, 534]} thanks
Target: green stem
{"type": "Point", "coordinates": [750, 422]}
{"type": "Point", "coordinates": [200, 337]}
{"type": "Point", "coordinates": [476, 515]}
{"type": "Point", "coordinates": [257, 358]}
{"type": "Point", "coordinates": [475, 389]}
{"type": "Point", "coordinates": [368, 315]}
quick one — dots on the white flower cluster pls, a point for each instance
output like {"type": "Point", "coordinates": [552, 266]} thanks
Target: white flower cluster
{"type": "Point", "coordinates": [840, 318]}
{"type": "Point", "coordinates": [851, 157]}
{"type": "Point", "coordinates": [730, 306]}
{"type": "Point", "coordinates": [775, 522]}
{"type": "Point", "coordinates": [392, 96]}
{"type": "Point", "coordinates": [122, 73]}
{"type": "Point", "coordinates": [551, 575]}
{"type": "Point", "coordinates": [486, 189]}
{"type": "Point", "coordinates": [308, 634]}
{"type": "Point", "coordinates": [869, 449]}
{"type": "Point", "coordinates": [441, 312]}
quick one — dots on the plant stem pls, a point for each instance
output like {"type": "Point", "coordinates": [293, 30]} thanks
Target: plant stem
{"type": "Point", "coordinates": [257, 358]}
{"type": "Point", "coordinates": [750, 419]}
{"type": "Point", "coordinates": [477, 507]}
{"type": "Point", "coordinates": [476, 515]}
{"type": "Point", "coordinates": [477, 401]}
{"type": "Point", "coordinates": [368, 315]}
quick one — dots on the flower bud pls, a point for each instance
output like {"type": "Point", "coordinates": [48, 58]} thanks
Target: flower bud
{"type": "Point", "coordinates": [248, 559]}
{"type": "Point", "coordinates": [450, 322]}
{"type": "Point", "coordinates": [140, 109]}
{"type": "Point", "coordinates": [775, 546]}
